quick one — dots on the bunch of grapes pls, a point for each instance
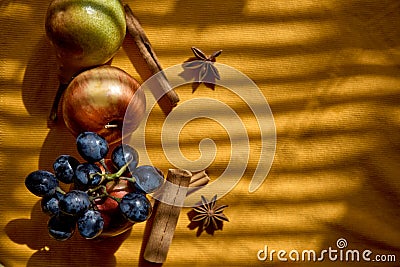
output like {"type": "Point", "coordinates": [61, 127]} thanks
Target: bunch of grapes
{"type": "Point", "coordinates": [78, 208]}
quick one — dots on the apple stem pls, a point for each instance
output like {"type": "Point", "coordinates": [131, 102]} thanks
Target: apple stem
{"type": "Point", "coordinates": [108, 126]}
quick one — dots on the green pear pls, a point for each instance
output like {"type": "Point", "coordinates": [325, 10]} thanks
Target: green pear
{"type": "Point", "coordinates": [85, 33]}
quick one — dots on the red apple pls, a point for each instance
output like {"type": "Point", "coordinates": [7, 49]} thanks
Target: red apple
{"type": "Point", "coordinates": [96, 100]}
{"type": "Point", "coordinates": [114, 222]}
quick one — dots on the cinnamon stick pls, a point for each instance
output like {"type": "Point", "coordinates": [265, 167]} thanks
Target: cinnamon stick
{"type": "Point", "coordinates": [166, 215]}
{"type": "Point", "coordinates": [137, 40]}
{"type": "Point", "coordinates": [197, 181]}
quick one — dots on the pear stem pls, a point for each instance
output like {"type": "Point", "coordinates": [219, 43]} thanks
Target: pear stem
{"type": "Point", "coordinates": [56, 102]}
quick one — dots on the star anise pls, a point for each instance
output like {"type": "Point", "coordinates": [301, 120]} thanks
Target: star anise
{"type": "Point", "coordinates": [209, 214]}
{"type": "Point", "coordinates": [201, 68]}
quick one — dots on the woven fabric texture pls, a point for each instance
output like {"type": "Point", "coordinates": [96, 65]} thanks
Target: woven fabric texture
{"type": "Point", "coordinates": [330, 72]}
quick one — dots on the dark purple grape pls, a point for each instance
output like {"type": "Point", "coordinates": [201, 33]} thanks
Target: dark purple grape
{"type": "Point", "coordinates": [123, 154]}
{"type": "Point", "coordinates": [91, 146]}
{"type": "Point", "coordinates": [135, 207]}
{"type": "Point", "coordinates": [90, 224]}
{"type": "Point", "coordinates": [64, 168]}
{"type": "Point", "coordinates": [136, 188]}
{"type": "Point", "coordinates": [86, 176]}
{"type": "Point", "coordinates": [148, 178]}
{"type": "Point", "coordinates": [41, 183]}
{"type": "Point", "coordinates": [75, 202]}
{"type": "Point", "coordinates": [61, 227]}
{"type": "Point", "coordinates": [49, 204]}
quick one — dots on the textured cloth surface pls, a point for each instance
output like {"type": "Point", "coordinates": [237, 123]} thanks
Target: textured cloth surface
{"type": "Point", "coordinates": [330, 71]}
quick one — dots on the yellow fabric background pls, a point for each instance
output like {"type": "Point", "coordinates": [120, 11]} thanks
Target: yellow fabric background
{"type": "Point", "coordinates": [330, 72]}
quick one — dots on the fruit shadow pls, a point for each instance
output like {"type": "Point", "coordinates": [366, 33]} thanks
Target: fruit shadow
{"type": "Point", "coordinates": [33, 233]}
{"type": "Point", "coordinates": [40, 80]}
{"type": "Point", "coordinates": [39, 88]}
{"type": "Point", "coordinates": [200, 14]}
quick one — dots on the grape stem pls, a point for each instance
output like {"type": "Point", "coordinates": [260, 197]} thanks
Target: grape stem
{"type": "Point", "coordinates": [104, 194]}
{"type": "Point", "coordinates": [129, 179]}
{"type": "Point", "coordinates": [59, 190]}
{"type": "Point", "coordinates": [113, 176]}
{"type": "Point", "coordinates": [103, 163]}
{"type": "Point", "coordinates": [103, 187]}
{"type": "Point", "coordinates": [107, 176]}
